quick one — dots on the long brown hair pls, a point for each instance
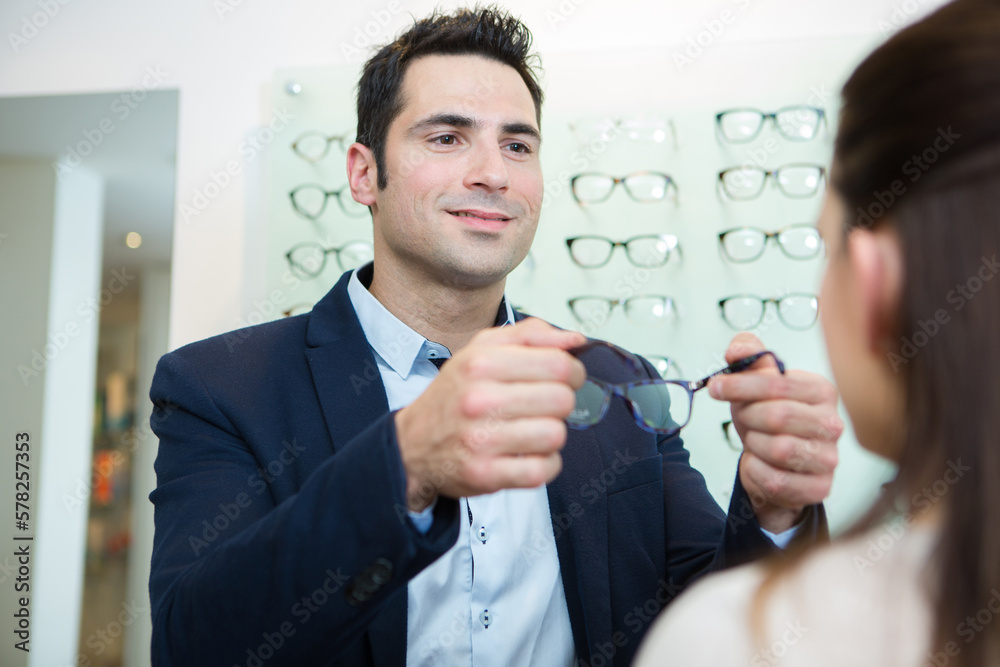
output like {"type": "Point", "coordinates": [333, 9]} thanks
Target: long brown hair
{"type": "Point", "coordinates": [918, 148]}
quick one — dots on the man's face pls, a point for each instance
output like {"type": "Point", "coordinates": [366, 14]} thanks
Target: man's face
{"type": "Point", "coordinates": [464, 181]}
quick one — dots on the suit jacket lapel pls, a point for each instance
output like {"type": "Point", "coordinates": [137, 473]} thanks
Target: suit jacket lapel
{"type": "Point", "coordinates": [337, 349]}
{"type": "Point", "coordinates": [344, 371]}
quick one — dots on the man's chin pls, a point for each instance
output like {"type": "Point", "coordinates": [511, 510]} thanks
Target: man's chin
{"type": "Point", "coordinates": [467, 273]}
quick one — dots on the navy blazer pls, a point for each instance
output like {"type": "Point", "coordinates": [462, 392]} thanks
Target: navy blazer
{"type": "Point", "coordinates": [281, 529]}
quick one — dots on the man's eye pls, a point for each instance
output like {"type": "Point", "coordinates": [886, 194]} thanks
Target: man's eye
{"type": "Point", "coordinates": [446, 139]}
{"type": "Point", "coordinates": [519, 148]}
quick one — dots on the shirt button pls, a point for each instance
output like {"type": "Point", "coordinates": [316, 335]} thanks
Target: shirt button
{"type": "Point", "coordinates": [483, 534]}
{"type": "Point", "coordinates": [485, 618]}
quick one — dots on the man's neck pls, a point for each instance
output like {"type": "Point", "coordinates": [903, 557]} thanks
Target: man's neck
{"type": "Point", "coordinates": [439, 313]}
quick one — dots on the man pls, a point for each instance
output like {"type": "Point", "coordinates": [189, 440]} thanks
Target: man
{"type": "Point", "coordinates": [331, 493]}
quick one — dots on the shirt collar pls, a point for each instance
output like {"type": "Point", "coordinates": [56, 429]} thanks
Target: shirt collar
{"type": "Point", "coordinates": [397, 344]}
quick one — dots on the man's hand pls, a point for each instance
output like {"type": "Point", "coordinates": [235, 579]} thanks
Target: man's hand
{"type": "Point", "coordinates": [789, 427]}
{"type": "Point", "coordinates": [494, 418]}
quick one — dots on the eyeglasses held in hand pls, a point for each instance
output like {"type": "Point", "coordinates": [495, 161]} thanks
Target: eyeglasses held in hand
{"type": "Point", "coordinates": [313, 146]}
{"type": "Point", "coordinates": [648, 250]}
{"type": "Point", "coordinates": [658, 406]}
{"type": "Point", "coordinates": [746, 311]}
{"type": "Point", "coordinates": [641, 309]}
{"type": "Point", "coordinates": [309, 201]}
{"type": "Point", "coordinates": [796, 181]}
{"type": "Point", "coordinates": [645, 187]}
{"type": "Point", "coordinates": [745, 244]}
{"type": "Point", "coordinates": [645, 129]}
{"type": "Point", "coordinates": [307, 260]}
{"type": "Point", "coordinates": [795, 123]}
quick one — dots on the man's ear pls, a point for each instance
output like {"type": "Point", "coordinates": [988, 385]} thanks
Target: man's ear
{"type": "Point", "coordinates": [877, 267]}
{"type": "Point", "coordinates": [362, 173]}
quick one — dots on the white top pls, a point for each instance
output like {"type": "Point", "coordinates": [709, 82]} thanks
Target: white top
{"type": "Point", "coordinates": [857, 602]}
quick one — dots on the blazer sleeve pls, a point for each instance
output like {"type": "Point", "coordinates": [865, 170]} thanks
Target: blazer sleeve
{"type": "Point", "coordinates": [700, 538]}
{"type": "Point", "coordinates": [315, 568]}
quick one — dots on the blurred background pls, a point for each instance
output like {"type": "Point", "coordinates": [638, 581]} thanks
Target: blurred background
{"type": "Point", "coordinates": [145, 166]}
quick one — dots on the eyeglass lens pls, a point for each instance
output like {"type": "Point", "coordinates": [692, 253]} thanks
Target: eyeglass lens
{"type": "Point", "coordinates": [795, 123]}
{"type": "Point", "coordinates": [746, 244]}
{"type": "Point", "coordinates": [743, 312]}
{"type": "Point", "coordinates": [310, 201]}
{"type": "Point", "coordinates": [645, 251]}
{"type": "Point", "coordinates": [309, 259]}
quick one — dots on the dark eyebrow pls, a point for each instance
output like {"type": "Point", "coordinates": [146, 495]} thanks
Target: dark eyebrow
{"type": "Point", "coordinates": [457, 120]}
{"type": "Point", "coordinates": [521, 128]}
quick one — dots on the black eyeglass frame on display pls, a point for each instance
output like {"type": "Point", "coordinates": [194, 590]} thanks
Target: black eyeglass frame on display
{"type": "Point", "coordinates": [345, 191]}
{"type": "Point", "coordinates": [769, 174]}
{"type": "Point", "coordinates": [673, 245]}
{"type": "Point", "coordinates": [326, 138]}
{"type": "Point", "coordinates": [764, 116]}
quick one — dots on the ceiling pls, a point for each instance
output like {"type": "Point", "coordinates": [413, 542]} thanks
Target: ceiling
{"type": "Point", "coordinates": [136, 159]}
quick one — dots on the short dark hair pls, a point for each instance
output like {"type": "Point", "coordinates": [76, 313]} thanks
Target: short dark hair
{"type": "Point", "coordinates": [483, 31]}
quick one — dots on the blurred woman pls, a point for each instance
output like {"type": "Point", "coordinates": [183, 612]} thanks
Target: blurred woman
{"type": "Point", "coordinates": [911, 316]}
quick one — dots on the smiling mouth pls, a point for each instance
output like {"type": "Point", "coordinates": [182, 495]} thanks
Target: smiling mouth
{"type": "Point", "coordinates": [491, 217]}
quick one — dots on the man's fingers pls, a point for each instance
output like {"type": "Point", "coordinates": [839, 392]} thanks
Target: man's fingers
{"type": "Point", "coordinates": [522, 472]}
{"type": "Point", "coordinates": [531, 436]}
{"type": "Point", "coordinates": [532, 331]}
{"type": "Point", "coordinates": [789, 417]}
{"type": "Point", "coordinates": [511, 363]}
{"type": "Point", "coordinates": [501, 401]}
{"type": "Point", "coordinates": [794, 385]}
{"type": "Point", "coordinates": [765, 483]}
{"type": "Point", "coordinates": [791, 453]}
{"type": "Point", "coordinates": [743, 345]}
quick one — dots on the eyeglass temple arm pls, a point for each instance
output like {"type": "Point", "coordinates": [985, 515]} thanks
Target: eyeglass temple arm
{"type": "Point", "coordinates": [738, 366]}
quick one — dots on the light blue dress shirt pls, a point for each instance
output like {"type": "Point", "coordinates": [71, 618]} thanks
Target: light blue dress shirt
{"type": "Point", "coordinates": [496, 597]}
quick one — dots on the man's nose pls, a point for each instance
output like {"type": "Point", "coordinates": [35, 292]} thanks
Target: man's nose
{"type": "Point", "coordinates": [488, 169]}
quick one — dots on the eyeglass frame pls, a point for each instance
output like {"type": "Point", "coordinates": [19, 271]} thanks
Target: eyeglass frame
{"type": "Point", "coordinates": [624, 244]}
{"type": "Point", "coordinates": [764, 302]}
{"type": "Point", "coordinates": [614, 303]}
{"type": "Point", "coordinates": [770, 235]}
{"type": "Point", "coordinates": [670, 182]}
{"type": "Point", "coordinates": [764, 116]}
{"type": "Point", "coordinates": [305, 275]}
{"type": "Point", "coordinates": [772, 174]}
{"type": "Point", "coordinates": [610, 389]}
{"type": "Point", "coordinates": [328, 138]}
{"type": "Point", "coordinates": [326, 197]}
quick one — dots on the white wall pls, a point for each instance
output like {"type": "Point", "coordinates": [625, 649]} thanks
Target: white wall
{"type": "Point", "coordinates": [50, 264]}
{"type": "Point", "coordinates": [67, 418]}
{"type": "Point", "coordinates": [27, 196]}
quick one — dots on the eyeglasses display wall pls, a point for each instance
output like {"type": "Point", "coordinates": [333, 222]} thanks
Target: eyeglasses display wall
{"type": "Point", "coordinates": [678, 210]}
